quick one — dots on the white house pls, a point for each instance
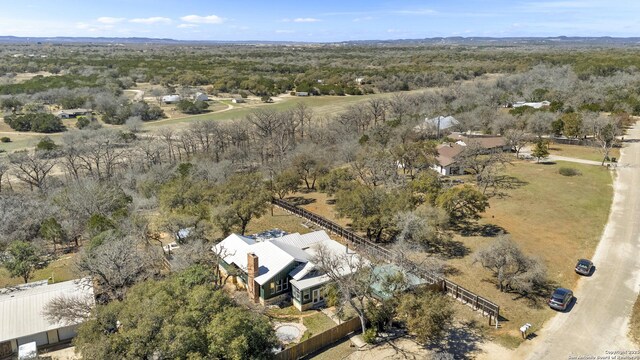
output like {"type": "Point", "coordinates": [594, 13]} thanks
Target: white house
{"type": "Point", "coordinates": [437, 125]}
{"type": "Point", "coordinates": [21, 308]}
{"type": "Point", "coordinates": [237, 100]}
{"type": "Point", "coordinates": [276, 268]}
{"type": "Point", "coordinates": [171, 99]}
{"type": "Point", "coordinates": [535, 105]}
{"type": "Point", "coordinates": [200, 97]}
{"type": "Point", "coordinates": [72, 113]}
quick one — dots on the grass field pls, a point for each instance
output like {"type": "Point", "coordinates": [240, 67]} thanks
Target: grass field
{"type": "Point", "coordinates": [555, 218]}
{"type": "Point", "coordinates": [321, 105]}
{"type": "Point", "coordinates": [581, 152]}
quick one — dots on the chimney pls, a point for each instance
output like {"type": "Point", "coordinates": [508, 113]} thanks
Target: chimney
{"type": "Point", "coordinates": [252, 272]}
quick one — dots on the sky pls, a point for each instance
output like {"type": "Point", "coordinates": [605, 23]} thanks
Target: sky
{"type": "Point", "coordinates": [317, 20]}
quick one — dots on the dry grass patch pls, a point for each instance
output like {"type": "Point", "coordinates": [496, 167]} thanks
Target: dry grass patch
{"type": "Point", "coordinates": [280, 219]}
{"type": "Point", "coordinates": [558, 219]}
{"type": "Point", "coordinates": [581, 152]}
{"type": "Point", "coordinates": [319, 204]}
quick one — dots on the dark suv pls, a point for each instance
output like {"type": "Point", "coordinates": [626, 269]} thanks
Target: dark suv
{"type": "Point", "coordinates": [584, 266]}
{"type": "Point", "coordinates": [560, 299]}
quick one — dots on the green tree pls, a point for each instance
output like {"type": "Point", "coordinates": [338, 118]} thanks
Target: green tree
{"type": "Point", "coordinates": [427, 186]}
{"type": "Point", "coordinates": [372, 209]}
{"type": "Point", "coordinates": [427, 315]}
{"type": "Point", "coordinates": [462, 203]}
{"type": "Point", "coordinates": [335, 180]}
{"type": "Point", "coordinates": [247, 197]}
{"type": "Point", "coordinates": [22, 260]}
{"type": "Point", "coordinates": [182, 317]}
{"type": "Point", "coordinates": [286, 182]}
{"type": "Point", "coordinates": [46, 144]}
{"type": "Point", "coordinates": [572, 124]}
{"type": "Point", "coordinates": [540, 150]}
{"type": "Point", "coordinates": [309, 168]}
{"type": "Point", "coordinates": [52, 231]}
{"type": "Point", "coordinates": [192, 107]}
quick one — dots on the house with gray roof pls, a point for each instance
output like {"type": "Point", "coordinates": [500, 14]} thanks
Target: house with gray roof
{"type": "Point", "coordinates": [437, 126]}
{"type": "Point", "coordinates": [273, 269]}
{"type": "Point", "coordinates": [21, 313]}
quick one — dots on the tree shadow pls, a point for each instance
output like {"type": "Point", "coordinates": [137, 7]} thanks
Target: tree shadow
{"type": "Point", "coordinates": [300, 200]}
{"type": "Point", "coordinates": [451, 249]}
{"type": "Point", "coordinates": [505, 182]}
{"type": "Point", "coordinates": [462, 341]}
{"type": "Point", "coordinates": [547, 162]}
{"type": "Point", "coordinates": [486, 230]}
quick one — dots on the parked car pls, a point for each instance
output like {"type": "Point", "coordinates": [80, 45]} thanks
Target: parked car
{"type": "Point", "coordinates": [584, 266]}
{"type": "Point", "coordinates": [170, 247]}
{"type": "Point", "coordinates": [560, 299]}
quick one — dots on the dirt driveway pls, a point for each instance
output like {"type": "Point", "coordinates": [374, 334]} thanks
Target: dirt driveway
{"type": "Point", "coordinates": [597, 323]}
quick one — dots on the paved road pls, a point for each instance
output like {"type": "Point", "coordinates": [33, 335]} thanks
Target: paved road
{"type": "Point", "coordinates": [599, 320]}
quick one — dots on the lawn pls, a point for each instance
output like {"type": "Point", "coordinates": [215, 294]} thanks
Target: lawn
{"type": "Point", "coordinates": [61, 269]}
{"type": "Point", "coordinates": [280, 219]}
{"type": "Point", "coordinates": [316, 324]}
{"type": "Point", "coordinates": [581, 152]}
{"type": "Point", "coordinates": [555, 218]}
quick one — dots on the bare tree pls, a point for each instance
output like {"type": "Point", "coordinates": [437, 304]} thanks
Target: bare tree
{"type": "Point", "coordinates": [512, 269]}
{"type": "Point", "coordinates": [517, 139]}
{"type": "Point", "coordinates": [606, 129]}
{"type": "Point", "coordinates": [32, 167]}
{"type": "Point", "coordinates": [352, 274]}
{"type": "Point", "coordinates": [119, 263]}
{"type": "Point", "coordinates": [482, 163]}
{"type": "Point", "coordinates": [69, 309]}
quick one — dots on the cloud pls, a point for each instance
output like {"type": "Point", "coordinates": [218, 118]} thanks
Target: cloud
{"type": "Point", "coordinates": [197, 19]}
{"type": "Point", "coordinates": [366, 18]}
{"type": "Point", "coordinates": [186, 26]}
{"type": "Point", "coordinates": [110, 20]}
{"type": "Point", "coordinates": [151, 20]}
{"type": "Point", "coordinates": [305, 20]}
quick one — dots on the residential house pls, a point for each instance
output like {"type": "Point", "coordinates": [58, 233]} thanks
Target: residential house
{"type": "Point", "coordinates": [200, 97]}
{"type": "Point", "coordinates": [302, 93]}
{"type": "Point", "coordinates": [446, 161]}
{"type": "Point", "coordinates": [72, 113]}
{"type": "Point", "coordinates": [21, 319]}
{"type": "Point", "coordinates": [171, 99]}
{"type": "Point", "coordinates": [275, 269]}
{"type": "Point", "coordinates": [237, 100]}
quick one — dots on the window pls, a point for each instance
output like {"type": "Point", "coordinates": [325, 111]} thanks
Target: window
{"type": "Point", "coordinates": [295, 293]}
{"type": "Point", "coordinates": [306, 295]}
{"type": "Point", "coordinates": [282, 284]}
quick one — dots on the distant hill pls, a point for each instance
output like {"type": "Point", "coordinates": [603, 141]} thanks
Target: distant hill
{"type": "Point", "coordinates": [505, 41]}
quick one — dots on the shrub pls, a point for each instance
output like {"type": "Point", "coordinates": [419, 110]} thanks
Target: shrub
{"type": "Point", "coordinates": [567, 171]}
{"type": "Point", "coordinates": [369, 336]}
{"type": "Point", "coordinates": [5, 139]}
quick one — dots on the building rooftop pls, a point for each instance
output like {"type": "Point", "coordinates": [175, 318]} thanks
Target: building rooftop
{"type": "Point", "coordinates": [21, 306]}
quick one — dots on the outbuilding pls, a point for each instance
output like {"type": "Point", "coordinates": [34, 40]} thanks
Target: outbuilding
{"type": "Point", "coordinates": [21, 313]}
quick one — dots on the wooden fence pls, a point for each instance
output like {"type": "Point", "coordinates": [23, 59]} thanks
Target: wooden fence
{"type": "Point", "coordinates": [319, 341]}
{"type": "Point", "coordinates": [477, 302]}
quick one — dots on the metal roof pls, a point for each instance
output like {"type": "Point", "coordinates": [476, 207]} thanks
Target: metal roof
{"type": "Point", "coordinates": [21, 306]}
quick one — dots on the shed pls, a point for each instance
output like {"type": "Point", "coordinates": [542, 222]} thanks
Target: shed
{"type": "Point", "coordinates": [21, 310]}
{"type": "Point", "coordinates": [237, 100]}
